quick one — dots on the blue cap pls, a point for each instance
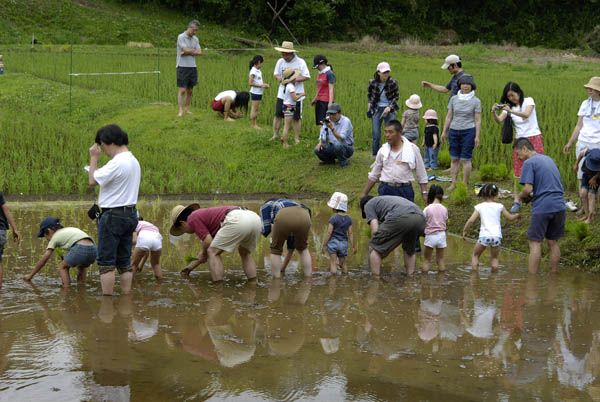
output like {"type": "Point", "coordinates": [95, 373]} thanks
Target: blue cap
{"type": "Point", "coordinates": [48, 222]}
{"type": "Point", "coordinates": [592, 160]}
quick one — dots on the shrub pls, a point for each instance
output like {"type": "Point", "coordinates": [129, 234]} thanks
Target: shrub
{"type": "Point", "coordinates": [444, 158]}
{"type": "Point", "coordinates": [592, 39]}
{"type": "Point", "coordinates": [491, 172]}
{"type": "Point", "coordinates": [580, 230]}
{"type": "Point", "coordinates": [460, 194]}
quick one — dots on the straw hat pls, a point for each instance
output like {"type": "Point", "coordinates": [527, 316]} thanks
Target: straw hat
{"type": "Point", "coordinates": [414, 102]}
{"type": "Point", "coordinates": [430, 114]}
{"type": "Point", "coordinates": [175, 212]}
{"type": "Point", "coordinates": [593, 84]}
{"type": "Point", "coordinates": [286, 47]}
{"type": "Point", "coordinates": [289, 75]}
{"type": "Point", "coordinates": [338, 201]}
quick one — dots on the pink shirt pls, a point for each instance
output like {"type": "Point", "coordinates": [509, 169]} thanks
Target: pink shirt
{"type": "Point", "coordinates": [207, 221]}
{"type": "Point", "coordinates": [436, 216]}
{"type": "Point", "coordinates": [144, 225]}
{"type": "Point", "coordinates": [389, 168]}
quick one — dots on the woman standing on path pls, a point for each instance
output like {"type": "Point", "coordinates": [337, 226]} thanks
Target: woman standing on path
{"type": "Point", "coordinates": [521, 110]}
{"type": "Point", "coordinates": [382, 95]}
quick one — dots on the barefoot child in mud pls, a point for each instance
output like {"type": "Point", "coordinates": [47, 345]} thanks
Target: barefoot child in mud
{"type": "Point", "coordinates": [81, 250]}
{"type": "Point", "coordinates": [490, 233]}
{"type": "Point", "coordinates": [6, 219]}
{"type": "Point", "coordinates": [147, 241]}
{"type": "Point", "coordinates": [339, 232]}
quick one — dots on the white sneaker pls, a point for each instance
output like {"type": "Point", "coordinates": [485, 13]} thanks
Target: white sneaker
{"type": "Point", "coordinates": [571, 206]}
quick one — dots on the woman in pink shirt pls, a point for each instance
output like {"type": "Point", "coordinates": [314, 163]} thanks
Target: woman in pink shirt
{"type": "Point", "coordinates": [147, 240]}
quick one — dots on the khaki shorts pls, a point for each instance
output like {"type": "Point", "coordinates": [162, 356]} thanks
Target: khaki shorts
{"type": "Point", "coordinates": [240, 228]}
{"type": "Point", "coordinates": [404, 229]}
{"type": "Point", "coordinates": [290, 221]}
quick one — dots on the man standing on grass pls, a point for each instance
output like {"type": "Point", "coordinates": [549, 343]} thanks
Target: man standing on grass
{"type": "Point", "coordinates": [188, 48]}
{"type": "Point", "coordinates": [119, 182]}
{"type": "Point", "coordinates": [542, 183]}
{"type": "Point", "coordinates": [454, 65]}
{"type": "Point", "coordinates": [289, 59]}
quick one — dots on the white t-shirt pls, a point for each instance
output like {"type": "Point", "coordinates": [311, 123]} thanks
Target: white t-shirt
{"type": "Point", "coordinates": [119, 181]}
{"type": "Point", "coordinates": [296, 63]}
{"type": "Point", "coordinates": [590, 131]}
{"type": "Point", "coordinates": [490, 212]}
{"type": "Point", "coordinates": [183, 40]}
{"type": "Point", "coordinates": [257, 80]}
{"type": "Point", "coordinates": [525, 127]}
{"type": "Point", "coordinates": [287, 98]}
{"type": "Point", "coordinates": [230, 93]}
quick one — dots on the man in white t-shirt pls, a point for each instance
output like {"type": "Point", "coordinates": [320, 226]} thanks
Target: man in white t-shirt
{"type": "Point", "coordinates": [188, 48]}
{"type": "Point", "coordinates": [119, 182]}
{"type": "Point", "coordinates": [289, 59]}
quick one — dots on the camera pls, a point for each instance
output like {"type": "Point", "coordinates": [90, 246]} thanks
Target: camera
{"type": "Point", "coordinates": [326, 120]}
{"type": "Point", "coordinates": [499, 106]}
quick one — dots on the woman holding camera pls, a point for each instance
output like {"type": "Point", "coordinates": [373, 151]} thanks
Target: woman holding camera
{"type": "Point", "coordinates": [382, 95]}
{"type": "Point", "coordinates": [522, 112]}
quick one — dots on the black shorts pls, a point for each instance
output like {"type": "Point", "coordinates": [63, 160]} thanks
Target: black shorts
{"type": "Point", "coordinates": [187, 77]}
{"type": "Point", "coordinates": [279, 109]}
{"type": "Point", "coordinates": [404, 229]}
{"type": "Point", "coordinates": [550, 226]}
{"type": "Point", "coordinates": [320, 111]}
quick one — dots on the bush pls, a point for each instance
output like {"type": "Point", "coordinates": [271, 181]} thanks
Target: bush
{"type": "Point", "coordinates": [460, 195]}
{"type": "Point", "coordinates": [444, 158]}
{"type": "Point", "coordinates": [491, 172]}
{"type": "Point", "coordinates": [580, 230]}
{"type": "Point", "coordinates": [591, 40]}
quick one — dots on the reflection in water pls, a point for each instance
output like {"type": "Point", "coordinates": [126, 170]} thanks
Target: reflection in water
{"type": "Point", "coordinates": [455, 336]}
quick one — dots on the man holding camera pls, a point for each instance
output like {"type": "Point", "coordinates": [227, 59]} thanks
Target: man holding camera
{"type": "Point", "coordinates": [336, 139]}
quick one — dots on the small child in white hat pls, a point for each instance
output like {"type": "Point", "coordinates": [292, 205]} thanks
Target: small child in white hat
{"type": "Point", "coordinates": [339, 232]}
{"type": "Point", "coordinates": [410, 118]}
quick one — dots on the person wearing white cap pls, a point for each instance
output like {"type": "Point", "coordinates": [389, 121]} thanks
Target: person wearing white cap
{"type": "Point", "coordinates": [382, 96]}
{"type": "Point", "coordinates": [336, 139]}
{"type": "Point", "coordinates": [289, 59]}
{"type": "Point", "coordinates": [410, 118]}
{"type": "Point", "coordinates": [454, 65]}
{"type": "Point", "coordinates": [339, 232]}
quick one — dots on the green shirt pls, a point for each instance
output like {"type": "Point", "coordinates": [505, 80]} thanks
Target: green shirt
{"type": "Point", "coordinates": [65, 238]}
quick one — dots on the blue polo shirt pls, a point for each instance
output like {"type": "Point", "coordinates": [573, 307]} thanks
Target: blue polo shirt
{"type": "Point", "coordinates": [548, 194]}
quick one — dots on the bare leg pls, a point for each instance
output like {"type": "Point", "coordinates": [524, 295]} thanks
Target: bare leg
{"type": "Point", "coordinates": [107, 280]}
{"type": "Point", "coordinates": [188, 100]}
{"type": "Point", "coordinates": [535, 255]}
{"type": "Point", "coordinates": [454, 168]}
{"type": "Point", "coordinates": [138, 255]}
{"type": "Point", "coordinates": [344, 265]}
{"type": "Point", "coordinates": [286, 260]}
{"type": "Point", "coordinates": [375, 263]}
{"type": "Point", "coordinates": [306, 261]}
{"type": "Point", "coordinates": [467, 166]}
{"type": "Point", "coordinates": [64, 274]}
{"type": "Point", "coordinates": [427, 259]}
{"type": "Point", "coordinates": [155, 261]}
{"type": "Point", "coordinates": [494, 251]}
{"type": "Point", "coordinates": [215, 264]}
{"type": "Point", "coordinates": [554, 256]}
{"type": "Point", "coordinates": [275, 265]}
{"type": "Point", "coordinates": [439, 258]}
{"type": "Point", "coordinates": [247, 262]}
{"type": "Point", "coordinates": [181, 99]}
{"type": "Point", "coordinates": [81, 275]}
{"type": "Point", "coordinates": [515, 190]}
{"type": "Point", "coordinates": [276, 127]}
{"type": "Point", "coordinates": [254, 114]}
{"type": "Point", "coordinates": [591, 208]}
{"type": "Point", "coordinates": [410, 261]}
{"type": "Point", "coordinates": [583, 194]}
{"type": "Point", "coordinates": [477, 251]}
{"type": "Point", "coordinates": [333, 263]}
{"type": "Point", "coordinates": [297, 127]}
{"type": "Point", "coordinates": [286, 129]}
{"type": "Point", "coordinates": [126, 281]}
{"type": "Point", "coordinates": [0, 275]}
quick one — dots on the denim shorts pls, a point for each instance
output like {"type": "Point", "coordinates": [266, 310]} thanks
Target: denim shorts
{"type": "Point", "coordinates": [585, 184]}
{"type": "Point", "coordinates": [115, 234]}
{"type": "Point", "coordinates": [255, 97]}
{"type": "Point", "coordinates": [337, 247]}
{"type": "Point", "coordinates": [81, 255]}
{"type": "Point", "coordinates": [550, 226]}
{"type": "Point", "coordinates": [411, 135]}
{"type": "Point", "coordinates": [2, 243]}
{"type": "Point", "coordinates": [462, 143]}
{"type": "Point", "coordinates": [490, 241]}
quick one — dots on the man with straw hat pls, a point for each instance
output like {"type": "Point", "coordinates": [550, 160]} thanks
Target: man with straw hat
{"type": "Point", "coordinates": [289, 59]}
{"type": "Point", "coordinates": [220, 229]}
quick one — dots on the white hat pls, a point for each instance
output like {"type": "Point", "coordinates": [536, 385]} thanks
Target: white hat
{"type": "Point", "coordinates": [338, 201]}
{"type": "Point", "coordinates": [414, 102]}
{"type": "Point", "coordinates": [452, 59]}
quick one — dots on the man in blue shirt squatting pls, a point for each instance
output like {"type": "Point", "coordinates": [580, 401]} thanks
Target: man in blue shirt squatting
{"type": "Point", "coordinates": [336, 139]}
{"type": "Point", "coordinates": [289, 221]}
{"type": "Point", "coordinates": [543, 186]}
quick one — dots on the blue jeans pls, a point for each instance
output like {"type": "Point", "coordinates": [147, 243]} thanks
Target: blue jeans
{"type": "Point", "coordinates": [340, 151]}
{"type": "Point", "coordinates": [338, 247]}
{"type": "Point", "coordinates": [115, 233]}
{"type": "Point", "coordinates": [405, 192]}
{"type": "Point", "coordinates": [462, 143]}
{"type": "Point", "coordinates": [81, 256]}
{"type": "Point", "coordinates": [376, 126]}
{"type": "Point", "coordinates": [431, 157]}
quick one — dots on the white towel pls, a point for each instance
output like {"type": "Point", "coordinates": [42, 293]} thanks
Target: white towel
{"type": "Point", "coordinates": [408, 153]}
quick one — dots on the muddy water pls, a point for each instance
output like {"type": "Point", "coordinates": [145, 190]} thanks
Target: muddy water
{"type": "Point", "coordinates": [450, 337]}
